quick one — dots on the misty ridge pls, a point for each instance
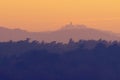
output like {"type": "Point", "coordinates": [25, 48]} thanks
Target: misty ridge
{"type": "Point", "coordinates": [76, 32]}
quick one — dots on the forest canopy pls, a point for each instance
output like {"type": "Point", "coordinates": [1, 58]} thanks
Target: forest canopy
{"type": "Point", "coordinates": [82, 60]}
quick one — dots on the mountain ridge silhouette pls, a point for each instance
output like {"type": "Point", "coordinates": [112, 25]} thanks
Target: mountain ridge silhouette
{"type": "Point", "coordinates": [76, 32]}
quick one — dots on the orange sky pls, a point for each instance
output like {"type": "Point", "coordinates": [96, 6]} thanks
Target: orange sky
{"type": "Point", "coordinates": [44, 15]}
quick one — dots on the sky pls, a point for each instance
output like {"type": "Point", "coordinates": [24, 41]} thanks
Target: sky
{"type": "Point", "coordinates": [45, 15]}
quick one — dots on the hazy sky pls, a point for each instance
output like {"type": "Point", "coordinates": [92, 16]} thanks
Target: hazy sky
{"type": "Point", "coordinates": [44, 15]}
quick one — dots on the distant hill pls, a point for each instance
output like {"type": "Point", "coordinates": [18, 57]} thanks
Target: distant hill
{"type": "Point", "coordinates": [12, 34]}
{"type": "Point", "coordinates": [76, 32]}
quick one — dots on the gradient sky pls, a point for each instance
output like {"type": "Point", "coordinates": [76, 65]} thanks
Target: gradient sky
{"type": "Point", "coordinates": [44, 15]}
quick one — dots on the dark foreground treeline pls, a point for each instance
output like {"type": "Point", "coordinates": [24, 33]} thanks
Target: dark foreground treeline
{"type": "Point", "coordinates": [82, 60]}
